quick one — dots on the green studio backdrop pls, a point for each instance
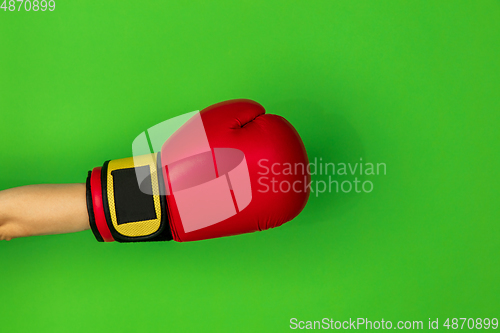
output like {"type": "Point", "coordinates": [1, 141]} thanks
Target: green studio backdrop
{"type": "Point", "coordinates": [411, 84]}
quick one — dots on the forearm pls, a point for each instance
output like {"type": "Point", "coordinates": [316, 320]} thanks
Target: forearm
{"type": "Point", "coordinates": [42, 210]}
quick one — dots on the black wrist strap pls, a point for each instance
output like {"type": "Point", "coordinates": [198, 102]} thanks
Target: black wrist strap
{"type": "Point", "coordinates": [135, 212]}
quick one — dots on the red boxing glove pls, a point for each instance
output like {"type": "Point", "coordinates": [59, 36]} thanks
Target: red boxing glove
{"type": "Point", "coordinates": [246, 171]}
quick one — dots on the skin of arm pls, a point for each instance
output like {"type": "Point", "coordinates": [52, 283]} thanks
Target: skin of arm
{"type": "Point", "coordinates": [43, 210]}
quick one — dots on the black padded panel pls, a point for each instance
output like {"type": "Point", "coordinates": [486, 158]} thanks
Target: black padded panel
{"type": "Point", "coordinates": [132, 205]}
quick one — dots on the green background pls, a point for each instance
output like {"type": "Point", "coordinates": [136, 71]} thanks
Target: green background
{"type": "Point", "coordinates": [413, 84]}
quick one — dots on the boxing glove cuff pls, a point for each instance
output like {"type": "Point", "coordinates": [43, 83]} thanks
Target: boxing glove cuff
{"type": "Point", "coordinates": [120, 208]}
